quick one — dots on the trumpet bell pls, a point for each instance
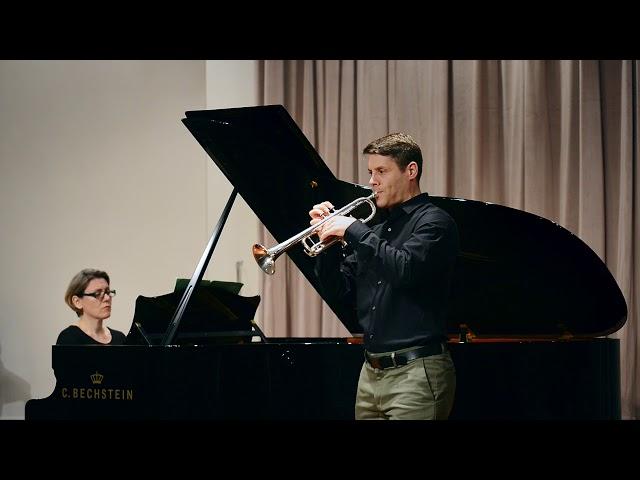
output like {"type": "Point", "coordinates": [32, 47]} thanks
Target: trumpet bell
{"type": "Point", "coordinates": [265, 260]}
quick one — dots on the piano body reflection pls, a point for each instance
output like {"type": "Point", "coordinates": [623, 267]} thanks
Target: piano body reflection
{"type": "Point", "coordinates": [530, 311]}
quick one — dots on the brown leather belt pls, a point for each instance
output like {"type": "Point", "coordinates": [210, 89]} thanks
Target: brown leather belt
{"type": "Point", "coordinates": [398, 359]}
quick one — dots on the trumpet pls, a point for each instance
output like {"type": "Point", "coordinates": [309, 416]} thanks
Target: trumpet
{"type": "Point", "coordinates": [266, 258]}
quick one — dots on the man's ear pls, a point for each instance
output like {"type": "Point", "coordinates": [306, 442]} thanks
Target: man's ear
{"type": "Point", "coordinates": [413, 170]}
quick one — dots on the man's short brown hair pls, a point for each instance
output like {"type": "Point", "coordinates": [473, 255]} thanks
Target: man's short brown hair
{"type": "Point", "coordinates": [399, 146]}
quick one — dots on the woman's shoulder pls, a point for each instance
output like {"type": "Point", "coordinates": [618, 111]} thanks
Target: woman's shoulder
{"type": "Point", "coordinates": [72, 335]}
{"type": "Point", "coordinates": [117, 337]}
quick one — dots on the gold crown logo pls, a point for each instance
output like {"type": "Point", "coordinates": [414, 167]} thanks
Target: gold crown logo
{"type": "Point", "coordinates": [96, 378]}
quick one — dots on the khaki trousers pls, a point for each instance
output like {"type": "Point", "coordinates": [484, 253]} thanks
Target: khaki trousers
{"type": "Point", "coordinates": [423, 389]}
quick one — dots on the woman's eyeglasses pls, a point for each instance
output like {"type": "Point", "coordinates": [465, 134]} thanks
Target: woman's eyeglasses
{"type": "Point", "coordinates": [99, 294]}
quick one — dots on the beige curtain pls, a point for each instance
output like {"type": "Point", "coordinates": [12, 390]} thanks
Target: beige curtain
{"type": "Point", "coordinates": [554, 138]}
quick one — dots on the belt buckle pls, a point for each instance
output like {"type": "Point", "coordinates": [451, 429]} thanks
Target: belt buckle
{"type": "Point", "coordinates": [379, 364]}
{"type": "Point", "coordinates": [393, 359]}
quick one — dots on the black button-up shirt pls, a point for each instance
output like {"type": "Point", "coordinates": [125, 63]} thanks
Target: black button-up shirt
{"type": "Point", "coordinates": [398, 276]}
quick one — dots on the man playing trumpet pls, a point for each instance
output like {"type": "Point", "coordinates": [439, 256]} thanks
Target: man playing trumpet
{"type": "Point", "coordinates": [398, 278]}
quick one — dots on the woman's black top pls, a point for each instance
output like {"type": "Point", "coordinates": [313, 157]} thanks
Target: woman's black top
{"type": "Point", "coordinates": [73, 335]}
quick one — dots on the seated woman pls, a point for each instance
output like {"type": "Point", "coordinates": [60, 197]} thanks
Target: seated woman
{"type": "Point", "coordinates": [90, 297]}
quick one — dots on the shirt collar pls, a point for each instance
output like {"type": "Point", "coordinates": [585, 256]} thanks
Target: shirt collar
{"type": "Point", "coordinates": [410, 205]}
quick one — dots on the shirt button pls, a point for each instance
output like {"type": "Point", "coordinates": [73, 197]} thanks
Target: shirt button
{"type": "Point", "coordinates": [379, 282]}
{"type": "Point", "coordinates": [389, 229]}
{"type": "Point", "coordinates": [373, 308]}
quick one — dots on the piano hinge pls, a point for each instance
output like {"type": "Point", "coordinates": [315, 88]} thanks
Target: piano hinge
{"type": "Point", "coordinates": [566, 336]}
{"type": "Point", "coordinates": [466, 335]}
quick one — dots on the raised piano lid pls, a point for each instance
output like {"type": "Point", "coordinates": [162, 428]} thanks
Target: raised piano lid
{"type": "Point", "coordinates": [518, 275]}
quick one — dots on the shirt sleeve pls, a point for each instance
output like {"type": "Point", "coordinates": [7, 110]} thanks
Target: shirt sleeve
{"type": "Point", "coordinates": [336, 273]}
{"type": "Point", "coordinates": [403, 266]}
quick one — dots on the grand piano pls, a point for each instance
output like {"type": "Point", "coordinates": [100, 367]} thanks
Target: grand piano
{"type": "Point", "coordinates": [532, 306]}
